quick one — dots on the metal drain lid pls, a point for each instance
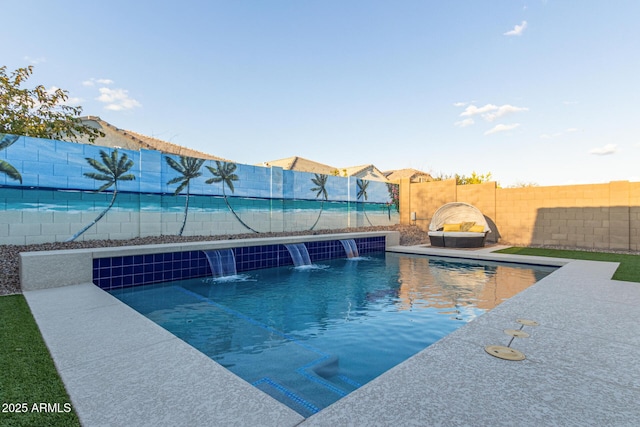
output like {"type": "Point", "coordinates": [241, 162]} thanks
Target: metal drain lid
{"type": "Point", "coordinates": [526, 322]}
{"type": "Point", "coordinates": [502, 352]}
{"type": "Point", "coordinates": [516, 333]}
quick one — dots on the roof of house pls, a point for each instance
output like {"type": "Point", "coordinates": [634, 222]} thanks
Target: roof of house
{"type": "Point", "coordinates": [301, 164]}
{"type": "Point", "coordinates": [120, 138]}
{"type": "Point", "coordinates": [412, 174]}
{"type": "Point", "coordinates": [368, 172]}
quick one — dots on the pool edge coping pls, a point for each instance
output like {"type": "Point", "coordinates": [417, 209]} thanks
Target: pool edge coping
{"type": "Point", "coordinates": [278, 412]}
{"type": "Point", "coordinates": [41, 269]}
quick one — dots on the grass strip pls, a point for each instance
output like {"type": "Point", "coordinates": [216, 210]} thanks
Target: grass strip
{"type": "Point", "coordinates": [628, 270]}
{"type": "Point", "coordinates": [31, 391]}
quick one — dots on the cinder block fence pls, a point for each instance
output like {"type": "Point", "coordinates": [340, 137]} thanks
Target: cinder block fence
{"type": "Point", "coordinates": [594, 216]}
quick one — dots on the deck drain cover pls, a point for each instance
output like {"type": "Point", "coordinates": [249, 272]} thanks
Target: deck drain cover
{"type": "Point", "coordinates": [526, 322]}
{"type": "Point", "coordinates": [516, 333]}
{"type": "Point", "coordinates": [503, 352]}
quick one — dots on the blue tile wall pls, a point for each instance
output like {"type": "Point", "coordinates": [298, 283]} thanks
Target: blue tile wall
{"type": "Point", "coordinates": [134, 270]}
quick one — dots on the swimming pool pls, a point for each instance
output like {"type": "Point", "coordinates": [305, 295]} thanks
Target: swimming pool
{"type": "Point", "coordinates": [308, 336]}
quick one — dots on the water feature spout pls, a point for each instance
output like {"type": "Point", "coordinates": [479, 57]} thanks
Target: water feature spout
{"type": "Point", "coordinates": [299, 254]}
{"type": "Point", "coordinates": [222, 262]}
{"type": "Point", "coordinates": [350, 248]}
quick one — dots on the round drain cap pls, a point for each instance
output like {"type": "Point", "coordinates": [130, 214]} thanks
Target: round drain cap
{"type": "Point", "coordinates": [502, 352]}
{"type": "Point", "coordinates": [516, 333]}
{"type": "Point", "coordinates": [526, 322]}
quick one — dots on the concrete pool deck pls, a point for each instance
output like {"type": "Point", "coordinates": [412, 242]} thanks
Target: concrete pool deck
{"type": "Point", "coordinates": [581, 367]}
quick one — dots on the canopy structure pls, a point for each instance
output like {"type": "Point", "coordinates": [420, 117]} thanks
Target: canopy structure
{"type": "Point", "coordinates": [455, 213]}
{"type": "Point", "coordinates": [458, 225]}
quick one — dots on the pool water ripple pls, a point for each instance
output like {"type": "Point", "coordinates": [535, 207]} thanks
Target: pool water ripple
{"type": "Point", "coordinates": [309, 338]}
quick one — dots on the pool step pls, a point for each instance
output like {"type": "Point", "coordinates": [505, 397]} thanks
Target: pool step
{"type": "Point", "coordinates": [317, 385]}
{"type": "Point", "coordinates": [286, 396]}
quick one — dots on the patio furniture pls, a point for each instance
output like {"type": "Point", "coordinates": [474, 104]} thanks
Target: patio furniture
{"type": "Point", "coordinates": [458, 225]}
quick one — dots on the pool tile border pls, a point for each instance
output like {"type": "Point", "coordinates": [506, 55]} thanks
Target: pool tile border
{"type": "Point", "coordinates": [42, 270]}
{"type": "Point", "coordinates": [143, 269]}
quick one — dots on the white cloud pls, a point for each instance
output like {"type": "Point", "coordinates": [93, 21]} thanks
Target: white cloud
{"type": "Point", "coordinates": [34, 61]}
{"type": "Point", "coordinates": [490, 112]}
{"type": "Point", "coordinates": [605, 150]}
{"type": "Point", "coordinates": [517, 30]}
{"type": "Point", "coordinates": [72, 101]}
{"type": "Point", "coordinates": [459, 104]}
{"type": "Point", "coordinates": [472, 110]}
{"type": "Point", "coordinates": [92, 82]}
{"type": "Point", "coordinates": [464, 123]}
{"type": "Point", "coordinates": [52, 90]}
{"type": "Point", "coordinates": [503, 110]}
{"type": "Point", "coordinates": [557, 134]}
{"type": "Point", "coordinates": [501, 128]}
{"type": "Point", "coordinates": [117, 99]}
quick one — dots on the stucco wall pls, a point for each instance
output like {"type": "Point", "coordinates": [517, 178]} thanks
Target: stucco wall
{"type": "Point", "coordinates": [598, 216]}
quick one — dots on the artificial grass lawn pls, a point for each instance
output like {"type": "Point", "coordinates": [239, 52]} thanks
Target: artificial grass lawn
{"type": "Point", "coordinates": [29, 382]}
{"type": "Point", "coordinates": [628, 270]}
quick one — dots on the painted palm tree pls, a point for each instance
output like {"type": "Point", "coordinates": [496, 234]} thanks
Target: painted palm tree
{"type": "Point", "coordinates": [224, 173]}
{"type": "Point", "coordinates": [394, 196]}
{"type": "Point", "coordinates": [362, 192]}
{"type": "Point", "coordinates": [5, 167]}
{"type": "Point", "coordinates": [111, 170]}
{"type": "Point", "coordinates": [189, 168]}
{"type": "Point", "coordinates": [321, 191]}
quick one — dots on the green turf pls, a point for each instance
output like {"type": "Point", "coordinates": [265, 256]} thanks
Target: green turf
{"type": "Point", "coordinates": [31, 392]}
{"type": "Point", "coordinates": [629, 269]}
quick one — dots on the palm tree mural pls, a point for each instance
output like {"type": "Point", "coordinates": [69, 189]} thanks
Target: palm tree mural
{"type": "Point", "coordinates": [189, 168]}
{"type": "Point", "coordinates": [394, 196]}
{"type": "Point", "coordinates": [5, 167]}
{"type": "Point", "coordinates": [111, 170]}
{"type": "Point", "coordinates": [320, 181]}
{"type": "Point", "coordinates": [224, 172]}
{"type": "Point", "coordinates": [362, 192]}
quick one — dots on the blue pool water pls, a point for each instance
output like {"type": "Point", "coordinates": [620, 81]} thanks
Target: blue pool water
{"type": "Point", "coordinates": [309, 336]}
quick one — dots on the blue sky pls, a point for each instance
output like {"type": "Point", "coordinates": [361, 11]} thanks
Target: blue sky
{"type": "Point", "coordinates": [533, 91]}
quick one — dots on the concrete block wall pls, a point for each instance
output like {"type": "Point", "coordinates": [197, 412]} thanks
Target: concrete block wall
{"type": "Point", "coordinates": [594, 216]}
{"type": "Point", "coordinates": [33, 227]}
{"type": "Point", "coordinates": [424, 198]}
{"type": "Point", "coordinates": [634, 228]}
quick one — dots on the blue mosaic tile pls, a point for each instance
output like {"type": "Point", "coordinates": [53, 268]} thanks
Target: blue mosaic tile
{"type": "Point", "coordinates": [134, 270]}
